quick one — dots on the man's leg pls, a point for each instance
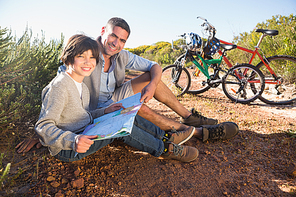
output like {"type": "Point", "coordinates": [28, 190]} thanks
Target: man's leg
{"type": "Point", "coordinates": [161, 121]}
{"type": "Point", "coordinates": [162, 94]}
{"type": "Point", "coordinates": [166, 124]}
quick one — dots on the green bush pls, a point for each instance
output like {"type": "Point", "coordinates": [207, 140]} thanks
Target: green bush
{"type": "Point", "coordinates": [26, 67]}
{"type": "Point", "coordinates": [160, 52]}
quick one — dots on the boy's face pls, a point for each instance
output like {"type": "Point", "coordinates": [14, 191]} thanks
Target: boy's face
{"type": "Point", "coordinates": [83, 66]}
{"type": "Point", "coordinates": [113, 40]}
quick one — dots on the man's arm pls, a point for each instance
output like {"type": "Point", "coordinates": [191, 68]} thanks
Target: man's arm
{"type": "Point", "coordinates": [136, 62]}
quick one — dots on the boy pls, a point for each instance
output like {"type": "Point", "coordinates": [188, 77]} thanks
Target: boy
{"type": "Point", "coordinates": [65, 114]}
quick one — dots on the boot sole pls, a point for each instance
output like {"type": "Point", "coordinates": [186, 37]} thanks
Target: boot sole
{"type": "Point", "coordinates": [185, 140]}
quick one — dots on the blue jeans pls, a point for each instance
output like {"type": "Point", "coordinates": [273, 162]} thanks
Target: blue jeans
{"type": "Point", "coordinates": [145, 136]}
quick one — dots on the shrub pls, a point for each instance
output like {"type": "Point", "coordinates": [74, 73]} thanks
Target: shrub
{"type": "Point", "coordinates": [26, 65]}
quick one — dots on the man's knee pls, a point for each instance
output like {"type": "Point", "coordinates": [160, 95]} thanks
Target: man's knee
{"type": "Point", "coordinates": [144, 110]}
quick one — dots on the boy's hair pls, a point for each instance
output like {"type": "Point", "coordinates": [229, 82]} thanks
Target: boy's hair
{"type": "Point", "coordinates": [115, 21]}
{"type": "Point", "coordinates": [77, 45]}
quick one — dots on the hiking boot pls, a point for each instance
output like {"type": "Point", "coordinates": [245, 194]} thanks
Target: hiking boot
{"type": "Point", "coordinates": [180, 153]}
{"type": "Point", "coordinates": [222, 131]}
{"type": "Point", "coordinates": [196, 119]}
{"type": "Point", "coordinates": [179, 137]}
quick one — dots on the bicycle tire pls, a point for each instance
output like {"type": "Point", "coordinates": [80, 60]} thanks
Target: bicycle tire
{"type": "Point", "coordinates": [287, 91]}
{"type": "Point", "coordinates": [178, 85]}
{"type": "Point", "coordinates": [198, 83]}
{"type": "Point", "coordinates": [239, 83]}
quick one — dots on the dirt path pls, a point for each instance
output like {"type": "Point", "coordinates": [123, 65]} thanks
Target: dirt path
{"type": "Point", "coordinates": [259, 161]}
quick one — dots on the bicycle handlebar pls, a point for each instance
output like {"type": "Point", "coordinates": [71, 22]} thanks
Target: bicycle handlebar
{"type": "Point", "coordinates": [212, 28]}
{"type": "Point", "coordinates": [183, 35]}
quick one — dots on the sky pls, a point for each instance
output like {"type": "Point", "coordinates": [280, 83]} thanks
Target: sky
{"type": "Point", "coordinates": [150, 21]}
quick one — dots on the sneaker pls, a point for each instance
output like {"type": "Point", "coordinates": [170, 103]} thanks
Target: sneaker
{"type": "Point", "coordinates": [180, 137]}
{"type": "Point", "coordinates": [180, 153]}
{"type": "Point", "coordinates": [222, 131]}
{"type": "Point", "coordinates": [196, 119]}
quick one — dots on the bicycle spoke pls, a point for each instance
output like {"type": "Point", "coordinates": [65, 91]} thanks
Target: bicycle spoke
{"type": "Point", "coordinates": [283, 90]}
{"type": "Point", "coordinates": [177, 80]}
{"type": "Point", "coordinates": [243, 83]}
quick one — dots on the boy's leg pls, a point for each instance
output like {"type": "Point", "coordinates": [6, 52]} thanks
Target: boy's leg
{"type": "Point", "coordinates": [69, 155]}
{"type": "Point", "coordinates": [147, 137]}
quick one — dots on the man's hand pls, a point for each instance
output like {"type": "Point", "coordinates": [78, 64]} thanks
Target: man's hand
{"type": "Point", "coordinates": [147, 92]}
{"type": "Point", "coordinates": [114, 107]}
{"type": "Point", "coordinates": [83, 143]}
{"type": "Point", "coordinates": [27, 144]}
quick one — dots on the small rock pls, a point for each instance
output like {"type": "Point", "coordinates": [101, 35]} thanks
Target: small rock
{"type": "Point", "coordinates": [291, 170]}
{"type": "Point", "coordinates": [59, 194]}
{"type": "Point", "coordinates": [76, 173]}
{"type": "Point", "coordinates": [64, 180]}
{"type": "Point", "coordinates": [50, 179]}
{"type": "Point", "coordinates": [79, 183]}
{"type": "Point", "coordinates": [55, 184]}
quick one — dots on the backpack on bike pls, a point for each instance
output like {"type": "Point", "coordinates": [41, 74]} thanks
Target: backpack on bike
{"type": "Point", "coordinates": [212, 46]}
{"type": "Point", "coordinates": [193, 41]}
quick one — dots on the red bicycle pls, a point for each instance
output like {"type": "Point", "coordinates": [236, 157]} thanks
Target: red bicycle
{"type": "Point", "coordinates": [280, 84]}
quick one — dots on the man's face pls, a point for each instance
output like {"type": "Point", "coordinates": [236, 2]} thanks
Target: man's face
{"type": "Point", "coordinates": [113, 40]}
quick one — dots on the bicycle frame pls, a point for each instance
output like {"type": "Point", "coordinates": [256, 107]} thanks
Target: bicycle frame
{"type": "Point", "coordinates": [254, 53]}
{"type": "Point", "coordinates": [206, 63]}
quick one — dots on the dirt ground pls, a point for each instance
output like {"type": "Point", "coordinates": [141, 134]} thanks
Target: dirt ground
{"type": "Point", "coordinates": [259, 161]}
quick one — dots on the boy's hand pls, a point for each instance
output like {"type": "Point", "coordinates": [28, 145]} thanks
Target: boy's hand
{"type": "Point", "coordinates": [114, 107]}
{"type": "Point", "coordinates": [27, 144]}
{"type": "Point", "coordinates": [84, 142]}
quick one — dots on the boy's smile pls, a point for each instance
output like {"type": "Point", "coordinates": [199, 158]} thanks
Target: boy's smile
{"type": "Point", "coordinates": [83, 66]}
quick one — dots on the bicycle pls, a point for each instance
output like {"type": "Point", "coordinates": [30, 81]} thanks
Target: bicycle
{"type": "Point", "coordinates": [241, 83]}
{"type": "Point", "coordinates": [279, 88]}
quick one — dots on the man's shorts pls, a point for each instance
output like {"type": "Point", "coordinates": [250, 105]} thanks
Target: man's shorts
{"type": "Point", "coordinates": [124, 91]}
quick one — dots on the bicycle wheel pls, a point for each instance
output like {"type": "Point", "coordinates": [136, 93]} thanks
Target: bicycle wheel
{"type": "Point", "coordinates": [176, 78]}
{"type": "Point", "coordinates": [198, 79]}
{"type": "Point", "coordinates": [284, 93]}
{"type": "Point", "coordinates": [243, 83]}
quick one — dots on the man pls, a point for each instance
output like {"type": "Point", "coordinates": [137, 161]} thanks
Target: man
{"type": "Point", "coordinates": [106, 85]}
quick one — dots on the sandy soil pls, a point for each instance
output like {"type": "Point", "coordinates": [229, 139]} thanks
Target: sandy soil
{"type": "Point", "coordinates": [259, 161]}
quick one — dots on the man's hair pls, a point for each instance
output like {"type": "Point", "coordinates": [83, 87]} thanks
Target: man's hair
{"type": "Point", "coordinates": [77, 45]}
{"type": "Point", "coordinates": [115, 21]}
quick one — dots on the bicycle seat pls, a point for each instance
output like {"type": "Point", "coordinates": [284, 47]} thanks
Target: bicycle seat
{"type": "Point", "coordinates": [268, 32]}
{"type": "Point", "coordinates": [228, 47]}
